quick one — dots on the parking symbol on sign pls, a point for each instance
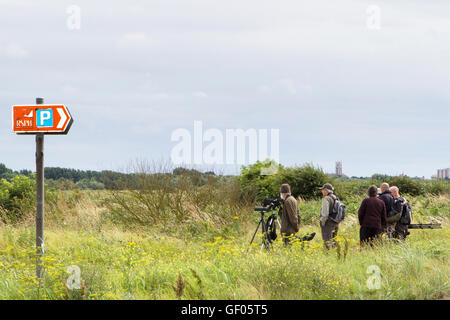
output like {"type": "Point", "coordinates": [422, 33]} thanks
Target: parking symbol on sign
{"type": "Point", "coordinates": [44, 118]}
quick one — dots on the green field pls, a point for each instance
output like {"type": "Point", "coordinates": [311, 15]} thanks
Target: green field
{"type": "Point", "coordinates": [204, 256]}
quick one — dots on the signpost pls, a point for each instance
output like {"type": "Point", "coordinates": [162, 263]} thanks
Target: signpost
{"type": "Point", "coordinates": [40, 119]}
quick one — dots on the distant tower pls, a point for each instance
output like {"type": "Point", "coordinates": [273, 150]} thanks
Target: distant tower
{"type": "Point", "coordinates": [339, 169]}
{"type": "Point", "coordinates": [443, 173]}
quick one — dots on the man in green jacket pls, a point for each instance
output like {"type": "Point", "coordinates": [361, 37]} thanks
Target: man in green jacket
{"type": "Point", "coordinates": [290, 217]}
{"type": "Point", "coordinates": [329, 227]}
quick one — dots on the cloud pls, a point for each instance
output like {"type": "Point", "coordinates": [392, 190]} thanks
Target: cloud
{"type": "Point", "coordinates": [68, 89]}
{"type": "Point", "coordinates": [15, 51]}
{"type": "Point", "coordinates": [19, 3]}
{"type": "Point", "coordinates": [257, 65]}
{"type": "Point", "coordinates": [285, 85]}
{"type": "Point", "coordinates": [159, 96]}
{"type": "Point", "coordinates": [134, 39]}
{"type": "Point", "coordinates": [199, 94]}
{"type": "Point", "coordinates": [148, 129]}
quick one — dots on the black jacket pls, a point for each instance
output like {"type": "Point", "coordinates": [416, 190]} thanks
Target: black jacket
{"type": "Point", "coordinates": [388, 200]}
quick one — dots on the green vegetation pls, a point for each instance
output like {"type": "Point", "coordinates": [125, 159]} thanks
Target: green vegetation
{"type": "Point", "coordinates": [253, 183]}
{"type": "Point", "coordinates": [16, 198]}
{"type": "Point", "coordinates": [185, 236]}
{"type": "Point", "coordinates": [305, 180]}
{"type": "Point", "coordinates": [202, 261]}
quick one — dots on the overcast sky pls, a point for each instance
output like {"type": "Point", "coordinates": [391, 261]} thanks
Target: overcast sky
{"type": "Point", "coordinates": [336, 87]}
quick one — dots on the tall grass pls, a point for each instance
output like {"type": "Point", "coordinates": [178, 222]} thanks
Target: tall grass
{"type": "Point", "coordinates": [125, 265]}
{"type": "Point", "coordinates": [207, 258]}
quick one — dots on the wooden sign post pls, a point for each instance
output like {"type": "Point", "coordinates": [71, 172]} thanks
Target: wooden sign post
{"type": "Point", "coordinates": [40, 119]}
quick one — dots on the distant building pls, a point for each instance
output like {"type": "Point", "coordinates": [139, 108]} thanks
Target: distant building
{"type": "Point", "coordinates": [443, 173]}
{"type": "Point", "coordinates": [339, 169]}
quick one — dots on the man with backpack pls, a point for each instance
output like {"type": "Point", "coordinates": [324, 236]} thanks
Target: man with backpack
{"type": "Point", "coordinates": [332, 213]}
{"type": "Point", "coordinates": [386, 196]}
{"type": "Point", "coordinates": [393, 208]}
{"type": "Point", "coordinates": [401, 227]}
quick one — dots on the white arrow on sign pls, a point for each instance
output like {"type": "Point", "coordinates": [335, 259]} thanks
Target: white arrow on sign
{"type": "Point", "coordinates": [63, 118]}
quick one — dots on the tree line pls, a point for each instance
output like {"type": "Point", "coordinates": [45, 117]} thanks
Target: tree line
{"type": "Point", "coordinates": [304, 180]}
{"type": "Point", "coordinates": [66, 178]}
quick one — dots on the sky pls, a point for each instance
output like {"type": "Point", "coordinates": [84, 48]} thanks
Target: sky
{"type": "Point", "coordinates": [339, 80]}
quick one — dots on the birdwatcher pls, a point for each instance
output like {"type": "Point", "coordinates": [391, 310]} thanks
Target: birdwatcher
{"type": "Point", "coordinates": [290, 216]}
{"type": "Point", "coordinates": [386, 195]}
{"type": "Point", "coordinates": [372, 217]}
{"type": "Point", "coordinates": [388, 199]}
{"type": "Point", "coordinates": [329, 228]}
{"type": "Point", "coordinates": [401, 228]}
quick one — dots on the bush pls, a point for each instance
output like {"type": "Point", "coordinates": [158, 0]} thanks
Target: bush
{"type": "Point", "coordinates": [304, 180]}
{"type": "Point", "coordinates": [256, 186]}
{"type": "Point", "coordinates": [158, 198]}
{"type": "Point", "coordinates": [17, 197]}
{"type": "Point", "coordinates": [407, 185]}
{"type": "Point", "coordinates": [437, 187]}
{"type": "Point", "coordinates": [89, 184]}
{"type": "Point", "coordinates": [60, 184]}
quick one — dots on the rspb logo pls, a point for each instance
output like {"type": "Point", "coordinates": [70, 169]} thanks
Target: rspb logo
{"type": "Point", "coordinates": [24, 118]}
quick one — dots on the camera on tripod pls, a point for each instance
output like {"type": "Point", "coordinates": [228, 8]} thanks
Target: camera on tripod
{"type": "Point", "coordinates": [269, 229]}
{"type": "Point", "coordinates": [269, 205]}
{"type": "Point", "coordinates": [269, 226]}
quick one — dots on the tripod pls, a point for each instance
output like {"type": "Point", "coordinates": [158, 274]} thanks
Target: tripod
{"type": "Point", "coordinates": [266, 242]}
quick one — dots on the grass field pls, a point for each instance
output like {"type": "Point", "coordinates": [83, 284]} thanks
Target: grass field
{"type": "Point", "coordinates": [207, 259]}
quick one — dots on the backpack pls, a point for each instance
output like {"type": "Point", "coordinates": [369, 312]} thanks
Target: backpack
{"type": "Point", "coordinates": [396, 212]}
{"type": "Point", "coordinates": [338, 212]}
{"type": "Point", "coordinates": [271, 228]}
{"type": "Point", "coordinates": [406, 217]}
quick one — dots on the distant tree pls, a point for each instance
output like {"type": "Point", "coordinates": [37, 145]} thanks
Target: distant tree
{"type": "Point", "coordinates": [378, 176]}
{"type": "Point", "coordinates": [5, 173]}
{"type": "Point", "coordinates": [91, 184]}
{"type": "Point", "coordinates": [408, 185]}
{"type": "Point", "coordinates": [3, 168]}
{"type": "Point", "coordinates": [25, 172]}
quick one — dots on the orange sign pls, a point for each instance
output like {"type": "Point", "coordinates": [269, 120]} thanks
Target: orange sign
{"type": "Point", "coordinates": [48, 119]}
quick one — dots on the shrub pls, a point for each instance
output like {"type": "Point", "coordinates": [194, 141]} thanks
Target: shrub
{"type": "Point", "coordinates": [89, 184]}
{"type": "Point", "coordinates": [17, 197]}
{"type": "Point", "coordinates": [408, 185]}
{"type": "Point", "coordinates": [157, 197]}
{"type": "Point", "coordinates": [256, 186]}
{"type": "Point", "coordinates": [437, 187]}
{"type": "Point", "coordinates": [304, 180]}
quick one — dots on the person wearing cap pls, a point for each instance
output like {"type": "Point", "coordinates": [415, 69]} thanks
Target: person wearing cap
{"type": "Point", "coordinates": [329, 228]}
{"type": "Point", "coordinates": [290, 217]}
